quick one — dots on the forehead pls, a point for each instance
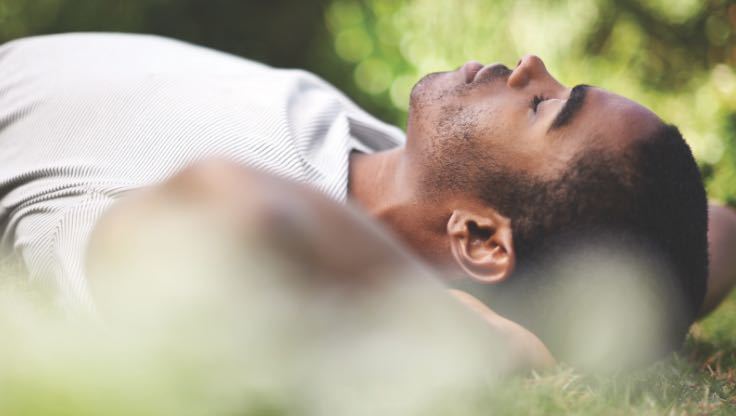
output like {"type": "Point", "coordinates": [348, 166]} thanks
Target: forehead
{"type": "Point", "coordinates": [606, 122]}
{"type": "Point", "coordinates": [611, 121]}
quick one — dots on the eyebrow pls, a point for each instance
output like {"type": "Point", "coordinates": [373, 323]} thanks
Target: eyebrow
{"type": "Point", "coordinates": [572, 106]}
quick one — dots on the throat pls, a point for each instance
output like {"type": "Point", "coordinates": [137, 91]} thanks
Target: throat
{"type": "Point", "coordinates": [380, 186]}
{"type": "Point", "coordinates": [376, 182]}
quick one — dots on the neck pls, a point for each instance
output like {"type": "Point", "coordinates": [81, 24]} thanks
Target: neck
{"type": "Point", "coordinates": [382, 184]}
{"type": "Point", "coordinates": [377, 182]}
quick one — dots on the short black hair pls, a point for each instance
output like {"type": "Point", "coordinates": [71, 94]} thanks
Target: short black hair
{"type": "Point", "coordinates": [652, 194]}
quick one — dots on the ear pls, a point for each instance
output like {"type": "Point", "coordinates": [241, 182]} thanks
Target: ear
{"type": "Point", "coordinates": [482, 244]}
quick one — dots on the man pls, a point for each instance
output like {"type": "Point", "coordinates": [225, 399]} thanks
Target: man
{"type": "Point", "coordinates": [498, 165]}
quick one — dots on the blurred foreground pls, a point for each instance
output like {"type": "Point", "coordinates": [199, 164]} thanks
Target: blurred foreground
{"type": "Point", "coordinates": [204, 328]}
{"type": "Point", "coordinates": [199, 320]}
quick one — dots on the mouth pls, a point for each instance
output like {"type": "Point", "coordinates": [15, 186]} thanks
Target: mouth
{"type": "Point", "coordinates": [471, 69]}
{"type": "Point", "coordinates": [475, 71]}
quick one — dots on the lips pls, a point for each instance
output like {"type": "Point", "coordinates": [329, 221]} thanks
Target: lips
{"type": "Point", "coordinates": [471, 69]}
{"type": "Point", "coordinates": [475, 71]}
{"type": "Point", "coordinates": [490, 72]}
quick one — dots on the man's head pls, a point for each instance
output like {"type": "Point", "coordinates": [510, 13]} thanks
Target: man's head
{"type": "Point", "coordinates": [521, 165]}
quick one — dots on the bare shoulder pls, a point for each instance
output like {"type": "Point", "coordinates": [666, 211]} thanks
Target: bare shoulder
{"type": "Point", "coordinates": [246, 205]}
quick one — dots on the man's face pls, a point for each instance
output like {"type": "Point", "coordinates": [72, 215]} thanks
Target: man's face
{"type": "Point", "coordinates": [521, 119]}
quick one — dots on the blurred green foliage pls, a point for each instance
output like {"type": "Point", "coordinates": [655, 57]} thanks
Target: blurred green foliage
{"type": "Point", "coordinates": [675, 56]}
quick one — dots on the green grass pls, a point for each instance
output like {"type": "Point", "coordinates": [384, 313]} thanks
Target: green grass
{"type": "Point", "coordinates": [700, 380]}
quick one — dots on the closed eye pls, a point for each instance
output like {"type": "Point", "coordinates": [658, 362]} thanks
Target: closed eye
{"type": "Point", "coordinates": [534, 103]}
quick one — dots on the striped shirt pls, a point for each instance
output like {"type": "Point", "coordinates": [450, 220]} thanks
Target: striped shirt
{"type": "Point", "coordinates": [85, 118]}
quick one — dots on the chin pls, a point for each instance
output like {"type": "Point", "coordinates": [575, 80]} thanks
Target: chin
{"type": "Point", "coordinates": [424, 88]}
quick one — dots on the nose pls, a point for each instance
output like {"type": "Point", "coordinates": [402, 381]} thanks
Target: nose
{"type": "Point", "coordinates": [530, 67]}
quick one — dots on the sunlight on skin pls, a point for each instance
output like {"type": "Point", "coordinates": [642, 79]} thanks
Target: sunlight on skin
{"type": "Point", "coordinates": [523, 343]}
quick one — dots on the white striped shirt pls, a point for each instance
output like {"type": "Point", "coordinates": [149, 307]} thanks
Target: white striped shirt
{"type": "Point", "coordinates": [85, 118]}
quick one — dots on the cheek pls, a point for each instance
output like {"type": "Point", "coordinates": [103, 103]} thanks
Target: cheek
{"type": "Point", "coordinates": [507, 137]}
{"type": "Point", "coordinates": [498, 129]}
{"type": "Point", "coordinates": [458, 126]}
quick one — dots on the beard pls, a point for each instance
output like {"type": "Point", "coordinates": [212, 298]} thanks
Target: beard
{"type": "Point", "coordinates": [423, 92]}
{"type": "Point", "coordinates": [448, 136]}
{"type": "Point", "coordinates": [451, 147]}
{"type": "Point", "coordinates": [427, 87]}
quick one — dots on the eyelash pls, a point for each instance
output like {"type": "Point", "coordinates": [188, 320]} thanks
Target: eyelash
{"type": "Point", "coordinates": [534, 103]}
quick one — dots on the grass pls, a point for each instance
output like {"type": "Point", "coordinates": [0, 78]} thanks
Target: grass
{"type": "Point", "coordinates": [700, 380]}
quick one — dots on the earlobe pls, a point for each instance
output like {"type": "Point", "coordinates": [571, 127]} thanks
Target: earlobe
{"type": "Point", "coordinates": [482, 244]}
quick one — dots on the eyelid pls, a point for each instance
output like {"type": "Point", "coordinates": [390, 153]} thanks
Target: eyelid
{"type": "Point", "coordinates": [549, 101]}
{"type": "Point", "coordinates": [536, 101]}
